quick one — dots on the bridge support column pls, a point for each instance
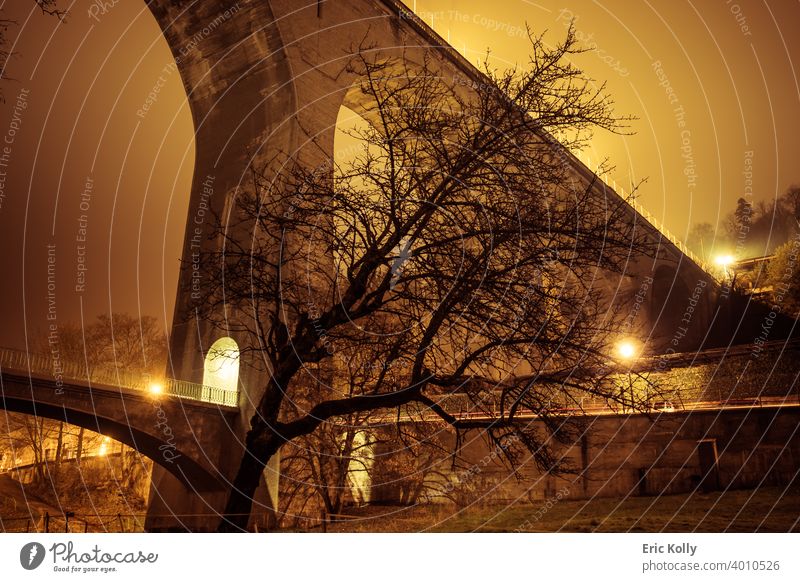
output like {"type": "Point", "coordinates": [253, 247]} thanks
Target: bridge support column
{"type": "Point", "coordinates": [173, 507]}
{"type": "Point", "coordinates": [264, 516]}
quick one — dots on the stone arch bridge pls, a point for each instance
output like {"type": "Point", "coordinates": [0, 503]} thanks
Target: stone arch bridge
{"type": "Point", "coordinates": [261, 76]}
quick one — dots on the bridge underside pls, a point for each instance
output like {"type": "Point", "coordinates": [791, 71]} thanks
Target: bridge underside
{"type": "Point", "coordinates": [181, 436]}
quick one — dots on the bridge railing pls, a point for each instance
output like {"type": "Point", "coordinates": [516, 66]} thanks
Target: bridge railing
{"type": "Point", "coordinates": [587, 407]}
{"type": "Point", "coordinates": [55, 368]}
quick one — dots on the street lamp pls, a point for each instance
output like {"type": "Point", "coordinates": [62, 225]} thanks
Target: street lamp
{"type": "Point", "coordinates": [155, 388]}
{"type": "Point", "coordinates": [627, 350]}
{"type": "Point", "coordinates": [724, 261]}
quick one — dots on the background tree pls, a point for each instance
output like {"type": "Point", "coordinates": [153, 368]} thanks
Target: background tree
{"type": "Point", "coordinates": [332, 467]}
{"type": "Point", "coordinates": [790, 201]}
{"type": "Point", "coordinates": [49, 7]}
{"type": "Point", "coordinates": [739, 221]}
{"type": "Point", "coordinates": [751, 229]}
{"type": "Point", "coordinates": [456, 244]}
{"type": "Point", "coordinates": [783, 275]}
{"type": "Point", "coordinates": [128, 344]}
{"type": "Point", "coordinates": [327, 465]}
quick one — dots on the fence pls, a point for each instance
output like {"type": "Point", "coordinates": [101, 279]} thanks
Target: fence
{"type": "Point", "coordinates": [52, 367]}
{"type": "Point", "coordinates": [71, 523]}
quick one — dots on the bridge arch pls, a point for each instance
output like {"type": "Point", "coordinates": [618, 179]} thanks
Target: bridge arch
{"type": "Point", "coordinates": [166, 430]}
{"type": "Point", "coordinates": [159, 451]}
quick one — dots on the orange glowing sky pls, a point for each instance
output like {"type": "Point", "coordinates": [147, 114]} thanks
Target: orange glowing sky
{"type": "Point", "coordinates": [732, 68]}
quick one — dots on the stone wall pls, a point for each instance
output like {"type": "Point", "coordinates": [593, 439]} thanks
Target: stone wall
{"type": "Point", "coordinates": [617, 456]}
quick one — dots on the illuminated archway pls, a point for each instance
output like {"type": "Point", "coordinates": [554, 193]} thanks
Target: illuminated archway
{"type": "Point", "coordinates": [221, 372]}
{"type": "Point", "coordinates": [359, 469]}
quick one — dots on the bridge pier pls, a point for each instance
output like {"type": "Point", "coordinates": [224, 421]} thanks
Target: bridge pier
{"type": "Point", "coordinates": [174, 507]}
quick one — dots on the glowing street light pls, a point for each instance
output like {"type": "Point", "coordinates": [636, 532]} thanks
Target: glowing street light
{"type": "Point", "coordinates": [725, 264]}
{"type": "Point", "coordinates": [724, 261]}
{"type": "Point", "coordinates": [155, 388]}
{"type": "Point", "coordinates": [627, 350]}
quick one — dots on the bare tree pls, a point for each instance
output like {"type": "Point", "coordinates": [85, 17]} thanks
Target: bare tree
{"type": "Point", "coordinates": [334, 464]}
{"type": "Point", "coordinates": [49, 7]}
{"type": "Point", "coordinates": [458, 246]}
{"type": "Point", "coordinates": [128, 343]}
{"type": "Point", "coordinates": [325, 463]}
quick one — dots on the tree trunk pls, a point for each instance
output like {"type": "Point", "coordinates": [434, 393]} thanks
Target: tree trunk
{"type": "Point", "coordinates": [261, 445]}
{"type": "Point", "coordinates": [79, 446]}
{"type": "Point", "coordinates": [59, 451]}
{"type": "Point", "coordinates": [38, 448]}
{"type": "Point", "coordinates": [343, 469]}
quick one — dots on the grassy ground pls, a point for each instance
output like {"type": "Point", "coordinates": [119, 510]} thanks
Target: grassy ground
{"type": "Point", "coordinates": [96, 507]}
{"type": "Point", "coordinates": [765, 510]}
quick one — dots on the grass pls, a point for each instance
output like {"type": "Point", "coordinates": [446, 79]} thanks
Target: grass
{"type": "Point", "coordinates": [769, 509]}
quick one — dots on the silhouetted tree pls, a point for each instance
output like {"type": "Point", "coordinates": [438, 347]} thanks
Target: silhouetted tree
{"type": "Point", "coordinates": [49, 7]}
{"type": "Point", "coordinates": [457, 245]}
{"type": "Point", "coordinates": [742, 217]}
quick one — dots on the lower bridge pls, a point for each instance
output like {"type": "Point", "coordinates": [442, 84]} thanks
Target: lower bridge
{"type": "Point", "coordinates": [178, 425]}
{"type": "Point", "coordinates": [617, 456]}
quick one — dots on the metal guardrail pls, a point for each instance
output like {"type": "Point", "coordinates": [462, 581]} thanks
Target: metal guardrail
{"type": "Point", "coordinates": [55, 369]}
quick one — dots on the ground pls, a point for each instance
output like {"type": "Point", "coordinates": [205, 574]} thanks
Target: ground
{"type": "Point", "coordinates": [765, 510]}
{"type": "Point", "coordinates": [769, 509]}
{"type": "Point", "coordinates": [101, 507]}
